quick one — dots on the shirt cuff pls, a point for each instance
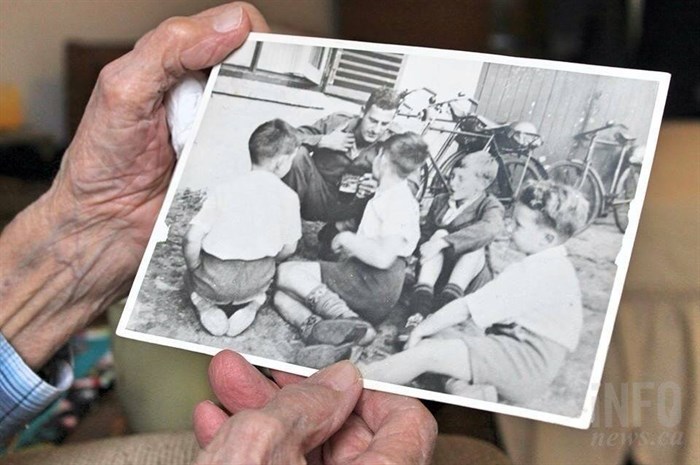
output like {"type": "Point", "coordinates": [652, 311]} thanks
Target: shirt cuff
{"type": "Point", "coordinates": [23, 393]}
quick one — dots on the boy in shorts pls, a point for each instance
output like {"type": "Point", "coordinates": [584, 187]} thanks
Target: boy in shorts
{"type": "Point", "coordinates": [243, 228]}
{"type": "Point", "coordinates": [514, 333]}
{"type": "Point", "coordinates": [458, 228]}
{"type": "Point", "coordinates": [345, 298]}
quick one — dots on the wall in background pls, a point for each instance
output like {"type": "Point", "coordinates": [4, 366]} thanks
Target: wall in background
{"type": "Point", "coordinates": [33, 34]}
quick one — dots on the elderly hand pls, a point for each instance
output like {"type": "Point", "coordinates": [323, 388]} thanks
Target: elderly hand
{"type": "Point", "coordinates": [88, 233]}
{"type": "Point", "coordinates": [325, 419]}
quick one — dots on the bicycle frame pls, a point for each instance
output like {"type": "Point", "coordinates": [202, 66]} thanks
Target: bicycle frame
{"type": "Point", "coordinates": [596, 139]}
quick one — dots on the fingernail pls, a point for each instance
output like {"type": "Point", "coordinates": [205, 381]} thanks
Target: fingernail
{"type": "Point", "coordinates": [340, 376]}
{"type": "Point", "coordinates": [228, 20]}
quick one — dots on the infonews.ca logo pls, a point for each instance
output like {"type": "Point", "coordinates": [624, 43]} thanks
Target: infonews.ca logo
{"type": "Point", "coordinates": [638, 413]}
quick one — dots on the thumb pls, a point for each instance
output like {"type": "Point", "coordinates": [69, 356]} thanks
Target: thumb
{"type": "Point", "coordinates": [138, 80]}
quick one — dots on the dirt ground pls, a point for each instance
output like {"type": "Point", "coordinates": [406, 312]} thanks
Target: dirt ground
{"type": "Point", "coordinates": [163, 308]}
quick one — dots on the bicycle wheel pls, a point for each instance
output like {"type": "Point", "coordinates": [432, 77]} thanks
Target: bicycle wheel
{"type": "Point", "coordinates": [571, 172]}
{"type": "Point", "coordinates": [624, 194]}
{"type": "Point", "coordinates": [520, 171]}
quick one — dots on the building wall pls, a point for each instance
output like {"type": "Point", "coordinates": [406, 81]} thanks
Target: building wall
{"type": "Point", "coordinates": [562, 104]}
{"type": "Point", "coordinates": [33, 34]}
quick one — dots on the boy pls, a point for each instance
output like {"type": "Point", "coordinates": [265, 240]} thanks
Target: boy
{"type": "Point", "coordinates": [531, 312]}
{"type": "Point", "coordinates": [370, 278]}
{"type": "Point", "coordinates": [459, 225]}
{"type": "Point", "coordinates": [243, 228]}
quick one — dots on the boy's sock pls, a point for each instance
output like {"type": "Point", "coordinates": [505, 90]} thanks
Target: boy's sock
{"type": "Point", "coordinates": [422, 299]}
{"type": "Point", "coordinates": [212, 317]}
{"type": "Point", "coordinates": [328, 304]}
{"type": "Point", "coordinates": [449, 293]}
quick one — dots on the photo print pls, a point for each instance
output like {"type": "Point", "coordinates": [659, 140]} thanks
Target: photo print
{"type": "Point", "coordinates": [458, 225]}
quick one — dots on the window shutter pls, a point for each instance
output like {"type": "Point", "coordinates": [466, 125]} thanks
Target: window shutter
{"type": "Point", "coordinates": [356, 73]}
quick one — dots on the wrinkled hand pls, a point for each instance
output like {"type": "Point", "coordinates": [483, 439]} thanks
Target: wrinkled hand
{"type": "Point", "coordinates": [337, 140]}
{"type": "Point", "coordinates": [91, 228]}
{"type": "Point", "coordinates": [325, 419]}
{"type": "Point", "coordinates": [118, 167]}
{"type": "Point", "coordinates": [366, 186]}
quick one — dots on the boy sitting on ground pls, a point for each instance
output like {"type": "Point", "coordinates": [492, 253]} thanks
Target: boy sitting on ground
{"type": "Point", "coordinates": [460, 225]}
{"type": "Point", "coordinates": [362, 288]}
{"type": "Point", "coordinates": [243, 228]}
{"type": "Point", "coordinates": [514, 333]}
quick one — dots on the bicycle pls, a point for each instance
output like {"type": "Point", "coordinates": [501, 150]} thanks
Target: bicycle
{"type": "Point", "coordinates": [510, 145]}
{"type": "Point", "coordinates": [582, 175]}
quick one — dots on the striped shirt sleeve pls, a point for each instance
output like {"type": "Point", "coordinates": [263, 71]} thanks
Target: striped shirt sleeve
{"type": "Point", "coordinates": [23, 393]}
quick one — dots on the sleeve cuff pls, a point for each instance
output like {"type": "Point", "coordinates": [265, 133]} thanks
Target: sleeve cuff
{"type": "Point", "coordinates": [23, 393]}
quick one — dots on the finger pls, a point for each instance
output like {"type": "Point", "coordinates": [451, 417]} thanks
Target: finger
{"type": "Point", "coordinates": [237, 384]}
{"type": "Point", "coordinates": [315, 408]}
{"type": "Point", "coordinates": [207, 419]}
{"type": "Point", "coordinates": [404, 430]}
{"type": "Point", "coordinates": [297, 420]}
{"type": "Point", "coordinates": [139, 79]}
{"type": "Point", "coordinates": [283, 379]}
{"type": "Point", "coordinates": [349, 443]}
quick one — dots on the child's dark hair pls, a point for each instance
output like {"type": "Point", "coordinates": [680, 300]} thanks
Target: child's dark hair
{"type": "Point", "coordinates": [406, 152]}
{"type": "Point", "coordinates": [560, 207]}
{"type": "Point", "coordinates": [385, 98]}
{"type": "Point", "coordinates": [270, 139]}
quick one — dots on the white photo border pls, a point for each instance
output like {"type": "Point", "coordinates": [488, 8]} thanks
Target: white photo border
{"type": "Point", "coordinates": [583, 421]}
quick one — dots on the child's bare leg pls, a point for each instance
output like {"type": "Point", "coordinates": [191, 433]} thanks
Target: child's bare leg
{"type": "Point", "coordinates": [467, 267]}
{"type": "Point", "coordinates": [298, 278]}
{"type": "Point", "coordinates": [294, 312]}
{"type": "Point", "coordinates": [430, 270]}
{"type": "Point", "coordinates": [315, 330]}
{"type": "Point", "coordinates": [424, 290]}
{"type": "Point", "coordinates": [243, 318]}
{"type": "Point", "coordinates": [442, 356]}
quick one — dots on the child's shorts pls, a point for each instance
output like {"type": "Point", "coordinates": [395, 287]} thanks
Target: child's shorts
{"type": "Point", "coordinates": [232, 282]}
{"type": "Point", "coordinates": [518, 363]}
{"type": "Point", "coordinates": [369, 291]}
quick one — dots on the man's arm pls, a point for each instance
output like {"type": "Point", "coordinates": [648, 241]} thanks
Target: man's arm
{"type": "Point", "coordinates": [379, 253]}
{"type": "Point", "coordinates": [328, 132]}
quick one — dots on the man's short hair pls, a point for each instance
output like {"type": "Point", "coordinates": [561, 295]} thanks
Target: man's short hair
{"type": "Point", "coordinates": [560, 207]}
{"type": "Point", "coordinates": [483, 162]}
{"type": "Point", "coordinates": [406, 152]}
{"type": "Point", "coordinates": [385, 98]}
{"type": "Point", "coordinates": [271, 139]}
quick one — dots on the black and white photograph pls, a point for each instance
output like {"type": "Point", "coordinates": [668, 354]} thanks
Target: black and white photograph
{"type": "Point", "coordinates": [458, 225]}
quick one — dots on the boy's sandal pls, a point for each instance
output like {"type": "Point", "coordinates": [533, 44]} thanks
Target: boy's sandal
{"type": "Point", "coordinates": [322, 355]}
{"type": "Point", "coordinates": [340, 331]}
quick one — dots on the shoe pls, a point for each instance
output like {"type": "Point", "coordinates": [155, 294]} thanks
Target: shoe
{"type": "Point", "coordinates": [321, 355]}
{"type": "Point", "coordinates": [338, 331]}
{"type": "Point", "coordinates": [212, 317]}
